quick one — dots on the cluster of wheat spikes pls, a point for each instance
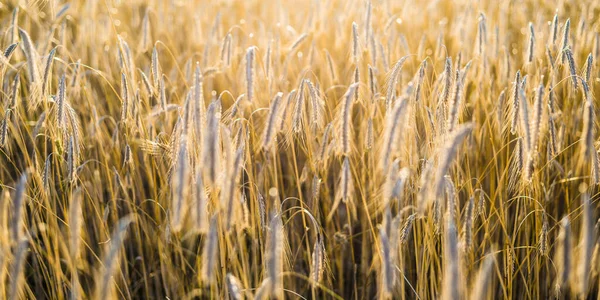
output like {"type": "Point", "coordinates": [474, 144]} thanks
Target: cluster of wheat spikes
{"type": "Point", "coordinates": [299, 149]}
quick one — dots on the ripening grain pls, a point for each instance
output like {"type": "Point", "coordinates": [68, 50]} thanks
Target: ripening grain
{"type": "Point", "coordinates": [299, 149]}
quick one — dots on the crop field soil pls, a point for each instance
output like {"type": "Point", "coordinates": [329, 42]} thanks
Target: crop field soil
{"type": "Point", "coordinates": [275, 149]}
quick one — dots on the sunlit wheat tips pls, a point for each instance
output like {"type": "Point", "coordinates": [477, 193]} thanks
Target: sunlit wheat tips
{"type": "Point", "coordinates": [48, 71]}
{"type": "Point", "coordinates": [500, 109]}
{"type": "Point", "coordinates": [355, 50]}
{"type": "Point", "coordinates": [391, 82]}
{"type": "Point", "coordinates": [124, 98]}
{"type": "Point", "coordinates": [536, 120]}
{"type": "Point", "coordinates": [322, 153]}
{"type": "Point", "coordinates": [588, 130]}
{"type": "Point", "coordinates": [345, 187]}
{"type": "Point", "coordinates": [274, 150]}
{"type": "Point", "coordinates": [481, 35]}
{"type": "Point", "coordinates": [407, 229]}
{"type": "Point", "coordinates": [318, 262]}
{"type": "Point", "coordinates": [14, 94]}
{"type": "Point", "coordinates": [32, 56]}
{"type": "Point", "coordinates": [155, 68]}
{"type": "Point", "coordinates": [543, 240]}
{"type": "Point", "coordinates": [298, 114]}
{"type": "Point", "coordinates": [346, 115]}
{"type": "Point", "coordinates": [180, 185]}
{"type": "Point", "coordinates": [368, 22]}
{"type": "Point", "coordinates": [468, 224]}
{"type": "Point", "coordinates": [554, 31]}
{"type": "Point", "coordinates": [448, 153]}
{"type": "Point", "coordinates": [356, 80]}
{"type": "Point", "coordinates": [370, 138]}
{"type": "Point", "coordinates": [550, 58]}
{"type": "Point", "coordinates": [525, 124]}
{"type": "Point", "coordinates": [71, 159]}
{"type": "Point", "coordinates": [10, 50]}
{"type": "Point", "coordinates": [565, 38]}
{"type": "Point", "coordinates": [392, 132]}
{"type": "Point", "coordinates": [530, 49]}
{"type": "Point", "coordinates": [587, 74]}
{"type": "Point", "coordinates": [420, 80]}
{"type": "Point", "coordinates": [198, 97]}
{"type": "Point", "coordinates": [285, 109]}
{"type": "Point", "coordinates": [447, 87]}
{"type": "Point", "coordinates": [226, 50]}
{"type": "Point", "coordinates": [297, 42]}
{"type": "Point", "coordinates": [250, 80]}
{"type": "Point", "coordinates": [572, 68]}
{"type": "Point", "coordinates": [162, 94]}
{"type": "Point", "coordinates": [515, 103]}
{"type": "Point", "coordinates": [210, 147]}
{"type": "Point", "coordinates": [272, 122]}
{"type": "Point", "coordinates": [60, 101]}
{"type": "Point", "coordinates": [4, 129]}
{"type": "Point", "coordinates": [531, 127]}
{"type": "Point", "coordinates": [316, 105]}
{"type": "Point", "coordinates": [455, 103]}
{"type": "Point", "coordinates": [331, 66]}
{"type": "Point", "coordinates": [450, 194]}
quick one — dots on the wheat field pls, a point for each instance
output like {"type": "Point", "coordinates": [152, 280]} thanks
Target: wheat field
{"type": "Point", "coordinates": [274, 149]}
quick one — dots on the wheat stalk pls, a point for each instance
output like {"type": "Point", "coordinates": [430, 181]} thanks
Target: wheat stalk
{"type": "Point", "coordinates": [32, 56]}
{"type": "Point", "coordinates": [515, 102]}
{"type": "Point", "coordinates": [563, 254]}
{"type": "Point", "coordinates": [272, 120]}
{"type": "Point", "coordinates": [451, 284]}
{"type": "Point", "coordinates": [392, 81]}
{"type": "Point", "coordinates": [209, 252]}
{"type": "Point", "coordinates": [110, 260]}
{"type": "Point", "coordinates": [346, 122]}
